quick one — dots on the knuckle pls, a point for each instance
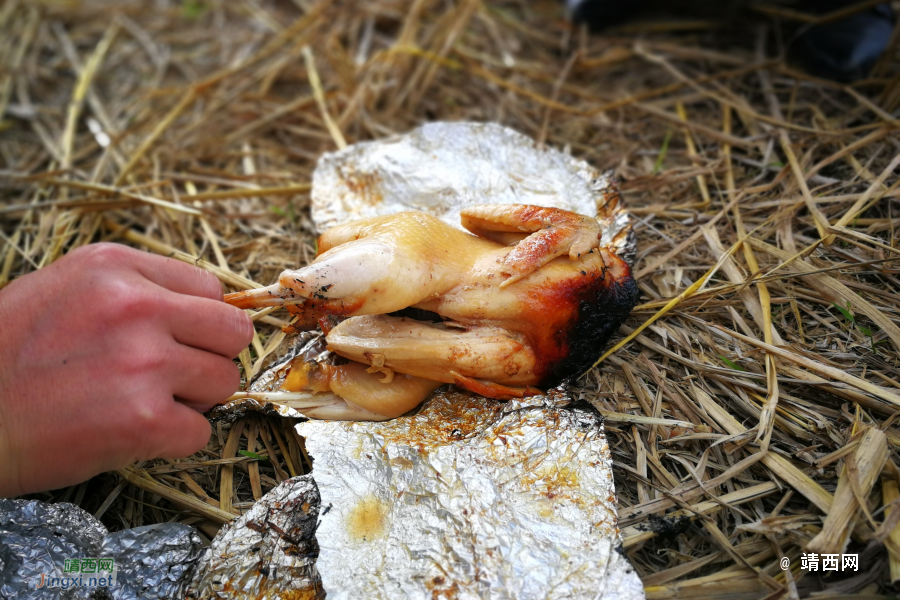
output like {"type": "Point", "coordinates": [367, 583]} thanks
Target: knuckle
{"type": "Point", "coordinates": [150, 427]}
{"type": "Point", "coordinates": [145, 361]}
{"type": "Point", "coordinates": [102, 253]}
{"type": "Point", "coordinates": [126, 300]}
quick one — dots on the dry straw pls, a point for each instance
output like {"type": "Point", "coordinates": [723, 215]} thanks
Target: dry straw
{"type": "Point", "coordinates": [752, 397]}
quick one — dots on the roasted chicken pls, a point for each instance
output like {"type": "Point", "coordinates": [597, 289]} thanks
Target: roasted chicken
{"type": "Point", "coordinates": [525, 302]}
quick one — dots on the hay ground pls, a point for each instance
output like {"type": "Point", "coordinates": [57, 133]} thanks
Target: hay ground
{"type": "Point", "coordinates": [757, 389]}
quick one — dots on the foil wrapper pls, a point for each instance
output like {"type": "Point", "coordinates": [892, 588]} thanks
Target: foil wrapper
{"type": "Point", "coordinates": [267, 554]}
{"type": "Point", "coordinates": [470, 498]}
{"type": "Point", "coordinates": [440, 168]}
{"type": "Point", "coordinates": [36, 538]}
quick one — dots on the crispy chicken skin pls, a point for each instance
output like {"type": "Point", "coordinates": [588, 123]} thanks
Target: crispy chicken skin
{"type": "Point", "coordinates": [515, 317]}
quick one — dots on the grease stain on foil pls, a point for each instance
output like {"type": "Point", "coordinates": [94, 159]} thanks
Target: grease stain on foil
{"type": "Point", "coordinates": [368, 520]}
{"type": "Point", "coordinates": [469, 498]}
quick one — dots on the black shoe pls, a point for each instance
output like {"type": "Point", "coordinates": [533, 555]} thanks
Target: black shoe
{"type": "Point", "coordinates": [599, 14]}
{"type": "Point", "coordinates": [844, 50]}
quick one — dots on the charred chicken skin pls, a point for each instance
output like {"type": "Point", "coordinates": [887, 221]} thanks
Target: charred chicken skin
{"type": "Point", "coordinates": [524, 303]}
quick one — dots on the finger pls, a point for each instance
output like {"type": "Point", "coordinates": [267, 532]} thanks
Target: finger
{"type": "Point", "coordinates": [202, 379]}
{"type": "Point", "coordinates": [188, 431]}
{"type": "Point", "coordinates": [208, 325]}
{"type": "Point", "coordinates": [180, 277]}
{"type": "Point", "coordinates": [169, 273]}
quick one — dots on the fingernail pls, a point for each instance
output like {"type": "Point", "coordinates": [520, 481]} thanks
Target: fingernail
{"type": "Point", "coordinates": [243, 324]}
{"type": "Point", "coordinates": [248, 325]}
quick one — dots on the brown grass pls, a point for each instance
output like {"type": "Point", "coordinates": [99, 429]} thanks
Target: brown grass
{"type": "Point", "coordinates": [742, 399]}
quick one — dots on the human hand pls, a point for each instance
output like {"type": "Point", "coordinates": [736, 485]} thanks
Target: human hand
{"type": "Point", "coordinates": [107, 356]}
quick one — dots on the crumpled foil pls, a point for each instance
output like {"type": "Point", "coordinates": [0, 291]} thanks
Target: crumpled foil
{"type": "Point", "coordinates": [36, 538]}
{"type": "Point", "coordinates": [440, 168]}
{"type": "Point", "coordinates": [470, 498]}
{"type": "Point", "coordinates": [267, 554]}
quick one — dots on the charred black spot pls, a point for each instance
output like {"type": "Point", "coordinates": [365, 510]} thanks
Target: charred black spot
{"type": "Point", "coordinates": [600, 312]}
{"type": "Point", "coordinates": [667, 528]}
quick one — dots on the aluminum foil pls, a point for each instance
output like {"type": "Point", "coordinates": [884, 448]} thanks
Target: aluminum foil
{"type": "Point", "coordinates": [441, 168]}
{"type": "Point", "coordinates": [152, 561]}
{"type": "Point", "coordinates": [470, 498]}
{"type": "Point", "coordinates": [36, 538]}
{"type": "Point", "coordinates": [267, 554]}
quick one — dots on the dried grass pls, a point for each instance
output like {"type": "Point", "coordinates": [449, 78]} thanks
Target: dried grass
{"type": "Point", "coordinates": [748, 397]}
